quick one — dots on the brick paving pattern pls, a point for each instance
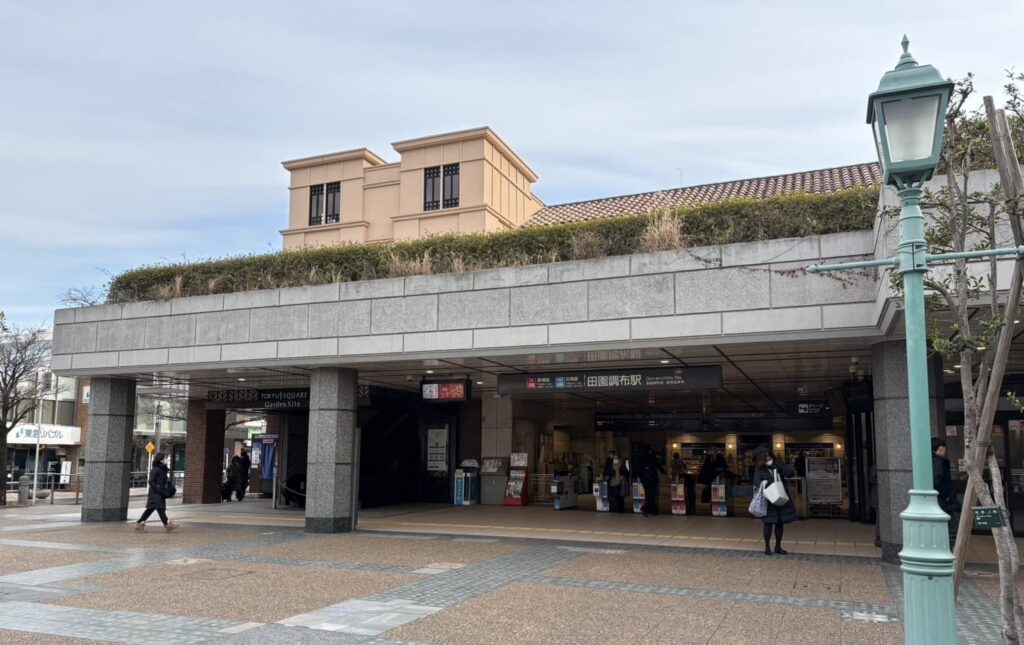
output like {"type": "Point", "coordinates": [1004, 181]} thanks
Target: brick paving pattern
{"type": "Point", "coordinates": [394, 588]}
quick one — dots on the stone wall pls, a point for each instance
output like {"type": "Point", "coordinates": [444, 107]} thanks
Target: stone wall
{"type": "Point", "coordinates": [737, 292]}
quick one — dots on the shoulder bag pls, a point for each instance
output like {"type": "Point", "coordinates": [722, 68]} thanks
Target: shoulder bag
{"type": "Point", "coordinates": [758, 505]}
{"type": "Point", "coordinates": [776, 492]}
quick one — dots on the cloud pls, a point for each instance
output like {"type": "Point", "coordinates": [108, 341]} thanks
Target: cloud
{"type": "Point", "coordinates": [133, 132]}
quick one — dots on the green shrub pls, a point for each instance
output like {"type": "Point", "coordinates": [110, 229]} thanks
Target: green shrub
{"type": "Point", "coordinates": [725, 222]}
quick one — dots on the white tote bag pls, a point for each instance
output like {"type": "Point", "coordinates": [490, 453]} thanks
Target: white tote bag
{"type": "Point", "coordinates": [776, 492]}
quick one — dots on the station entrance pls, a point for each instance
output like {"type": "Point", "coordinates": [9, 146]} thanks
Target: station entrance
{"type": "Point", "coordinates": [396, 430]}
{"type": "Point", "coordinates": [536, 430]}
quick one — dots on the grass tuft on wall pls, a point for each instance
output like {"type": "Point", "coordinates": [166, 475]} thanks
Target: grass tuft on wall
{"type": "Point", "coordinates": [726, 222]}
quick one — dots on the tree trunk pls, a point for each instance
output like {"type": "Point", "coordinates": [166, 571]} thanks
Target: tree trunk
{"type": "Point", "coordinates": [3, 465]}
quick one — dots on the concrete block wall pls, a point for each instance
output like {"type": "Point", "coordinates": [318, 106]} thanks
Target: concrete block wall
{"type": "Point", "coordinates": [737, 292]}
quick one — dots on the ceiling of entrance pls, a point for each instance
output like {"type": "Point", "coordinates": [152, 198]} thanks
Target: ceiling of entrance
{"type": "Point", "coordinates": [761, 377]}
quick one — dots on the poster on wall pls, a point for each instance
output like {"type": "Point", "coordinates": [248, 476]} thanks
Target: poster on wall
{"type": "Point", "coordinates": [437, 449]}
{"type": "Point", "coordinates": [824, 480]}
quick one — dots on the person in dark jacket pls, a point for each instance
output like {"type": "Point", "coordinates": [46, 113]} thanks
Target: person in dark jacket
{"type": "Point", "coordinates": [942, 478]}
{"type": "Point", "coordinates": [234, 478]}
{"type": "Point", "coordinates": [706, 477]}
{"type": "Point", "coordinates": [777, 516]}
{"type": "Point", "coordinates": [160, 488]}
{"type": "Point", "coordinates": [243, 476]}
{"type": "Point", "coordinates": [616, 476]}
{"type": "Point", "coordinates": [647, 468]}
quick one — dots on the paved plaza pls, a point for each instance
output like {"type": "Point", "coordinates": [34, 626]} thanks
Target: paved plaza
{"type": "Point", "coordinates": [241, 573]}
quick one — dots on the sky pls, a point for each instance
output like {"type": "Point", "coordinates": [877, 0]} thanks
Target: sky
{"type": "Point", "coordinates": [139, 133]}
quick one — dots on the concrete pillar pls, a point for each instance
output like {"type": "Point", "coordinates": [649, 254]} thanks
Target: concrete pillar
{"type": "Point", "coordinates": [892, 436]}
{"type": "Point", "coordinates": [496, 427]}
{"type": "Point", "coordinates": [108, 453]}
{"type": "Point", "coordinates": [204, 454]}
{"type": "Point", "coordinates": [332, 473]}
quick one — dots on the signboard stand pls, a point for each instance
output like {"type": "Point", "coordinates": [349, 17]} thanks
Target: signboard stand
{"type": "Point", "coordinates": [516, 489]}
{"type": "Point", "coordinates": [824, 482]}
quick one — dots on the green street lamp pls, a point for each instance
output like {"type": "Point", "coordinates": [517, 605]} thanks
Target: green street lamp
{"type": "Point", "coordinates": [908, 115]}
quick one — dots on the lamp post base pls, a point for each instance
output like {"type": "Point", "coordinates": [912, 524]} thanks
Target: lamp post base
{"type": "Point", "coordinates": [927, 564]}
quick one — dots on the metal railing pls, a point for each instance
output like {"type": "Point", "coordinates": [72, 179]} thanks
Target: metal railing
{"type": "Point", "coordinates": [52, 483]}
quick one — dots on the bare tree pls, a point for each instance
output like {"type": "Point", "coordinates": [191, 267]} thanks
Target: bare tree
{"type": "Point", "coordinates": [24, 356]}
{"type": "Point", "coordinates": [82, 297]}
{"type": "Point", "coordinates": [971, 323]}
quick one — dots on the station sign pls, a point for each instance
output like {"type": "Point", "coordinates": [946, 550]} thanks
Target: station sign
{"type": "Point", "coordinates": [622, 380]}
{"type": "Point", "coordinates": [445, 390]}
{"type": "Point", "coordinates": [808, 408]}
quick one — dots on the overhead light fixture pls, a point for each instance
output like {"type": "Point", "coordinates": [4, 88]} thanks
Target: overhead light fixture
{"type": "Point", "coordinates": [839, 446]}
{"type": "Point", "coordinates": [957, 366]}
{"type": "Point", "coordinates": [241, 379]}
{"type": "Point", "coordinates": [664, 361]}
{"type": "Point", "coordinates": [675, 445]}
{"type": "Point", "coordinates": [982, 348]}
{"type": "Point", "coordinates": [949, 371]}
{"type": "Point", "coordinates": [430, 371]}
{"type": "Point", "coordinates": [479, 382]}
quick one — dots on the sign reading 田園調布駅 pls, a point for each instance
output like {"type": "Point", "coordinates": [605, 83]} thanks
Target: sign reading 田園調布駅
{"type": "Point", "coordinates": [621, 380]}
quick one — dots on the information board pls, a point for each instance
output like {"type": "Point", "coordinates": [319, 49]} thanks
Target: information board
{"type": "Point", "coordinates": [445, 390]}
{"type": "Point", "coordinates": [824, 480]}
{"type": "Point", "coordinates": [437, 449]}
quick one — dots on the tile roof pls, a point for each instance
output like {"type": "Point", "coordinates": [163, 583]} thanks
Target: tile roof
{"type": "Point", "coordinates": [828, 180]}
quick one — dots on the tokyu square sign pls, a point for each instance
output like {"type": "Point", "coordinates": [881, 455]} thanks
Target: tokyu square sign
{"type": "Point", "coordinates": [621, 380]}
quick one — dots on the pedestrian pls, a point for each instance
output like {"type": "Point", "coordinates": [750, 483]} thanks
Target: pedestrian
{"type": "Point", "coordinates": [765, 470]}
{"type": "Point", "coordinates": [681, 475]}
{"type": "Point", "coordinates": [611, 456]}
{"type": "Point", "coordinates": [160, 488]}
{"type": "Point", "coordinates": [243, 477]}
{"type": "Point", "coordinates": [706, 477]}
{"type": "Point", "coordinates": [616, 476]}
{"type": "Point", "coordinates": [942, 478]}
{"type": "Point", "coordinates": [647, 471]}
{"type": "Point", "coordinates": [234, 477]}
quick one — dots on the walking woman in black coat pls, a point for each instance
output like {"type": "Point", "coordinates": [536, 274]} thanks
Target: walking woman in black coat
{"type": "Point", "coordinates": [160, 488]}
{"type": "Point", "coordinates": [777, 516]}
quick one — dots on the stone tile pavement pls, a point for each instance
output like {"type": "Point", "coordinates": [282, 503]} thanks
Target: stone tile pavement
{"type": "Point", "coordinates": [238, 584]}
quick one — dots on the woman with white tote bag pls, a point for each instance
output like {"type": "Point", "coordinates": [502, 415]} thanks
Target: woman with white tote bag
{"type": "Point", "coordinates": [780, 509]}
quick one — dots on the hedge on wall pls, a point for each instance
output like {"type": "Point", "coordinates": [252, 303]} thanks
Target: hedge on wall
{"type": "Point", "coordinates": [726, 222]}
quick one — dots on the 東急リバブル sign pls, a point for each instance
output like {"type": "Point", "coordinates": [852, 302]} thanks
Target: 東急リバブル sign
{"type": "Point", "coordinates": [622, 380]}
{"type": "Point", "coordinates": [45, 434]}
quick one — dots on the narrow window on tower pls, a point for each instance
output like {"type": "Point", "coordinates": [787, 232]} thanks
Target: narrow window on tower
{"type": "Point", "coordinates": [333, 208]}
{"type": "Point", "coordinates": [451, 185]}
{"type": "Point", "coordinates": [432, 188]}
{"type": "Point", "coordinates": [316, 205]}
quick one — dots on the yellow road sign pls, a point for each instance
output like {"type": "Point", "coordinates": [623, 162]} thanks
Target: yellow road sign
{"type": "Point", "coordinates": [150, 447]}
